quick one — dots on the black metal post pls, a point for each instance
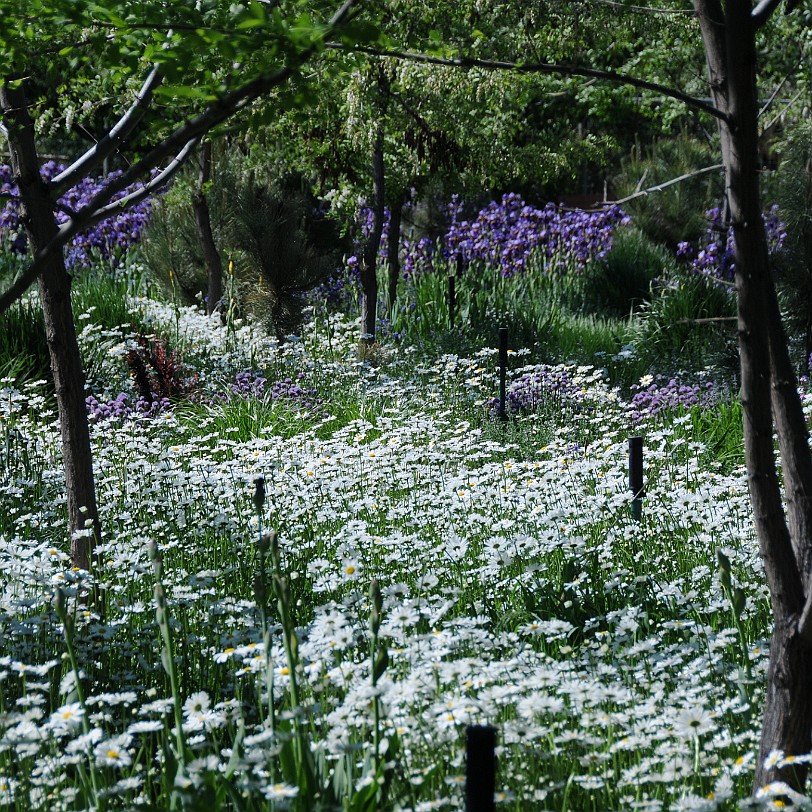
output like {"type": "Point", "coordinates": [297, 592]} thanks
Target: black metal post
{"type": "Point", "coordinates": [460, 264]}
{"type": "Point", "coordinates": [452, 298]}
{"type": "Point", "coordinates": [503, 353]}
{"type": "Point", "coordinates": [480, 768]}
{"type": "Point", "coordinates": [636, 476]}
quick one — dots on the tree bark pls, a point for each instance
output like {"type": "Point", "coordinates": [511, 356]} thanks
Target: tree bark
{"type": "Point", "coordinates": [393, 250]}
{"type": "Point", "coordinates": [66, 363]}
{"type": "Point", "coordinates": [211, 256]}
{"type": "Point", "coordinates": [769, 396]}
{"type": "Point", "coordinates": [369, 263]}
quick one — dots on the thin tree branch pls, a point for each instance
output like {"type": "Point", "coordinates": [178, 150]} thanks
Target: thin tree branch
{"type": "Point", "coordinates": [85, 218]}
{"type": "Point", "coordinates": [660, 186]}
{"type": "Point", "coordinates": [465, 62]}
{"type": "Point", "coordinates": [135, 197]}
{"type": "Point", "coordinates": [112, 140]}
{"type": "Point", "coordinates": [763, 11]}
{"type": "Point", "coordinates": [642, 9]}
{"type": "Point", "coordinates": [708, 320]}
{"type": "Point", "coordinates": [789, 104]}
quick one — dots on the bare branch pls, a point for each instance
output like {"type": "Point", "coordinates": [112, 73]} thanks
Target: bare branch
{"type": "Point", "coordinates": [660, 186]}
{"type": "Point", "coordinates": [789, 104]}
{"type": "Point", "coordinates": [114, 138]}
{"type": "Point", "coordinates": [709, 320]}
{"type": "Point", "coordinates": [465, 62]}
{"type": "Point", "coordinates": [642, 9]}
{"type": "Point", "coordinates": [763, 11]}
{"type": "Point", "coordinates": [804, 628]}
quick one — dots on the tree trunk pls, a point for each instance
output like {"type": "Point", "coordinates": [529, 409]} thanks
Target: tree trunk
{"type": "Point", "coordinates": [769, 395]}
{"type": "Point", "coordinates": [211, 256]}
{"type": "Point", "coordinates": [369, 263]}
{"type": "Point", "coordinates": [393, 252]}
{"type": "Point", "coordinates": [60, 329]}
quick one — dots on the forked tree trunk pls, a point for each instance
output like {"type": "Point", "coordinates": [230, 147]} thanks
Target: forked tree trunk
{"type": "Point", "coordinates": [769, 397]}
{"type": "Point", "coordinates": [60, 329]}
{"type": "Point", "coordinates": [211, 256]}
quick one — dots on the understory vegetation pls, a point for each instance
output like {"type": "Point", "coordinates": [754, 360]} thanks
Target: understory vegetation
{"type": "Point", "coordinates": [323, 560]}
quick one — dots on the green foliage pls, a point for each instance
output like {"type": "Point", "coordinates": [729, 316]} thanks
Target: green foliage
{"type": "Point", "coordinates": [548, 314]}
{"type": "Point", "coordinates": [282, 245]}
{"type": "Point", "coordinates": [675, 214]}
{"type": "Point", "coordinates": [688, 323]}
{"type": "Point", "coordinates": [622, 280]}
{"type": "Point", "coordinates": [268, 229]}
{"type": "Point", "coordinates": [99, 296]}
{"type": "Point", "coordinates": [23, 348]}
{"type": "Point", "coordinates": [792, 190]}
{"type": "Point", "coordinates": [721, 430]}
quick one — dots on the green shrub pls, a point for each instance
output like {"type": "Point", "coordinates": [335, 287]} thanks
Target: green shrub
{"type": "Point", "coordinates": [622, 280]}
{"type": "Point", "coordinates": [675, 214]}
{"type": "Point", "coordinates": [270, 228]}
{"type": "Point", "coordinates": [23, 348]}
{"type": "Point", "coordinates": [689, 322]}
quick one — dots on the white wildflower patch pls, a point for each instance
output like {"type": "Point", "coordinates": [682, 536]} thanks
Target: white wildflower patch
{"type": "Point", "coordinates": [515, 589]}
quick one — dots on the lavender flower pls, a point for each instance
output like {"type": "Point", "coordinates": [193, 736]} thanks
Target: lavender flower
{"type": "Point", "coordinates": [653, 397]}
{"type": "Point", "coordinates": [714, 255]}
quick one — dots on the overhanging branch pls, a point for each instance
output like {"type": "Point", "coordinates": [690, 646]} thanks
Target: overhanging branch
{"type": "Point", "coordinates": [112, 140]}
{"type": "Point", "coordinates": [159, 181]}
{"type": "Point", "coordinates": [465, 62]}
{"type": "Point", "coordinates": [660, 186]}
{"type": "Point", "coordinates": [178, 144]}
{"type": "Point", "coordinates": [763, 11]}
{"type": "Point", "coordinates": [84, 219]}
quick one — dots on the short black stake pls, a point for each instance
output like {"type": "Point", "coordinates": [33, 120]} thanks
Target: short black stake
{"type": "Point", "coordinates": [452, 298]}
{"type": "Point", "coordinates": [460, 264]}
{"type": "Point", "coordinates": [503, 341]}
{"type": "Point", "coordinates": [480, 768]}
{"type": "Point", "coordinates": [636, 476]}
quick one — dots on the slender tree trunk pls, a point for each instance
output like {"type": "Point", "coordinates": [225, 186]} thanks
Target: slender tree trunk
{"type": "Point", "coordinates": [769, 397]}
{"type": "Point", "coordinates": [369, 272]}
{"type": "Point", "coordinates": [211, 256]}
{"type": "Point", "coordinates": [393, 252]}
{"type": "Point", "coordinates": [60, 329]}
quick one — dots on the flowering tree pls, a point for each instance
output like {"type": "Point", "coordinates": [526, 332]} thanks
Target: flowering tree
{"type": "Point", "coordinates": [215, 56]}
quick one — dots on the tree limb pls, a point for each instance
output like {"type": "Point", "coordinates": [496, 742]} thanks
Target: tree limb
{"type": "Point", "coordinates": [642, 9]}
{"type": "Point", "coordinates": [179, 143]}
{"type": "Point", "coordinates": [466, 62]}
{"type": "Point", "coordinates": [85, 218]}
{"type": "Point", "coordinates": [660, 186]}
{"type": "Point", "coordinates": [132, 199]}
{"type": "Point", "coordinates": [763, 11]}
{"type": "Point", "coordinates": [112, 140]}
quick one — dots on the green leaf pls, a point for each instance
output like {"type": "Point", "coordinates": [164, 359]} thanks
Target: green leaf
{"type": "Point", "coordinates": [185, 92]}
